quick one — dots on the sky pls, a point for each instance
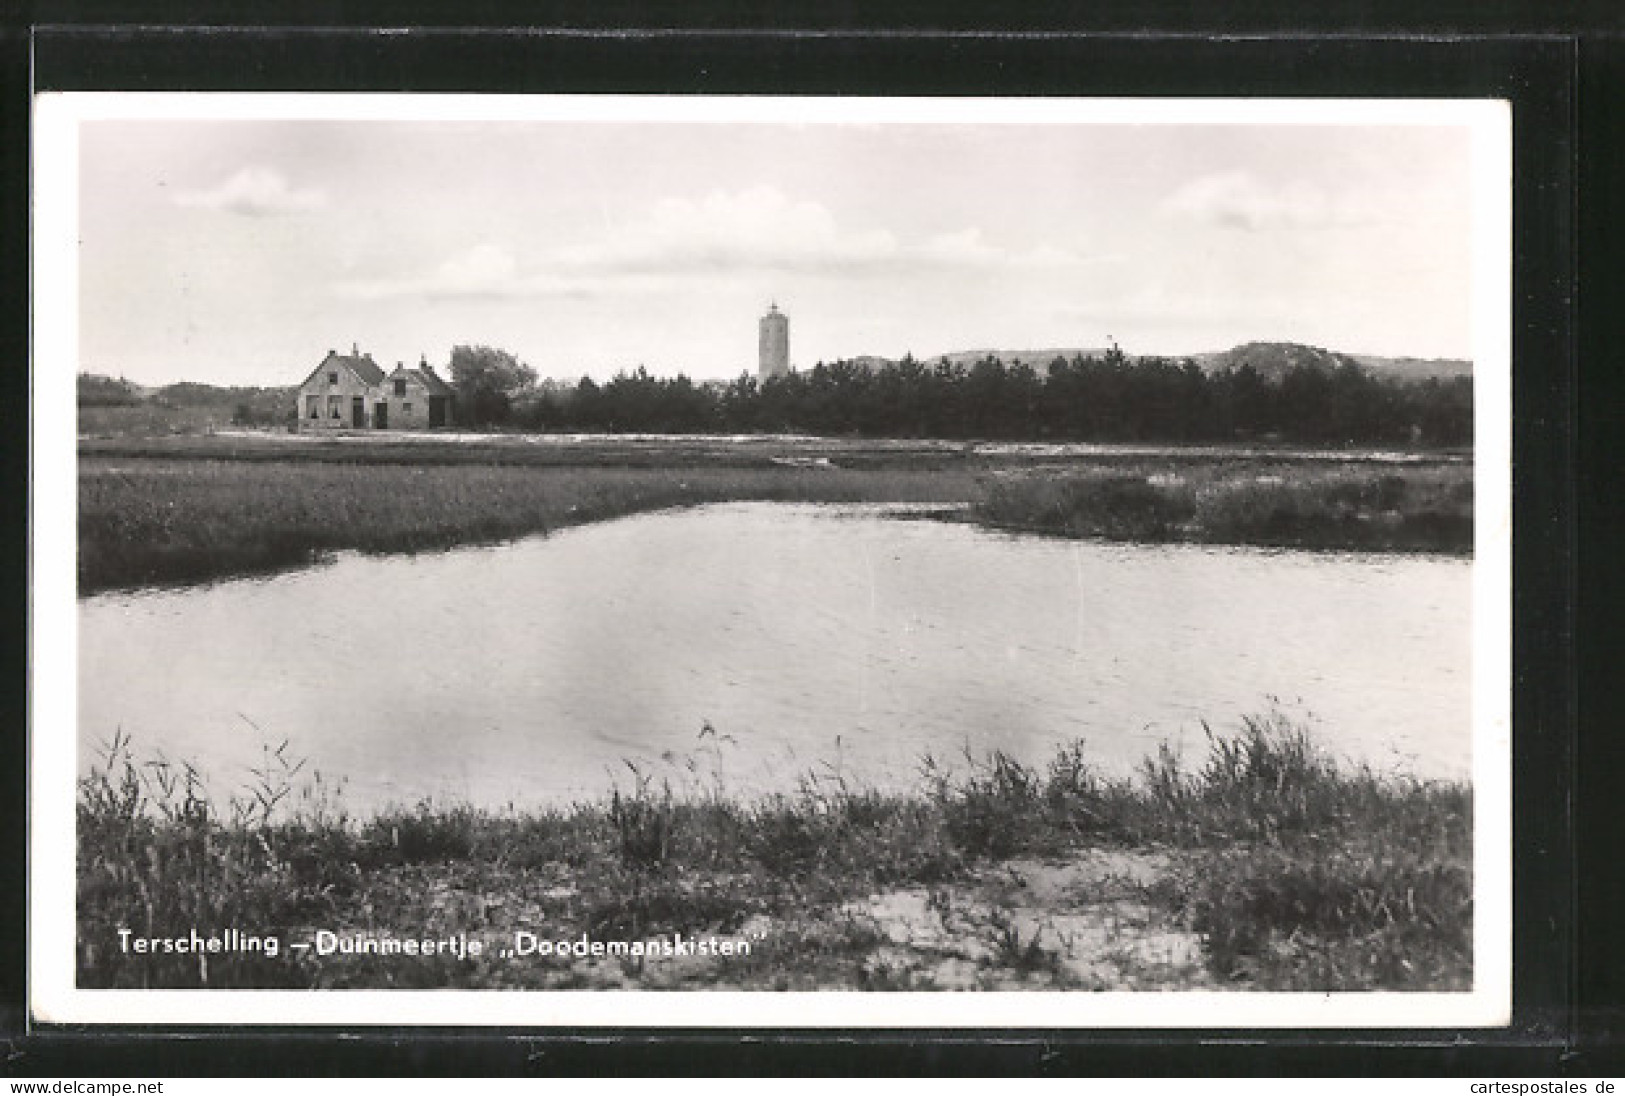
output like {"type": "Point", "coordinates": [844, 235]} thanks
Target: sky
{"type": "Point", "coordinates": [241, 251]}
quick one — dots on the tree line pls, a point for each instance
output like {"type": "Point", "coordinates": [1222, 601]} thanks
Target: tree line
{"type": "Point", "coordinates": [1105, 398]}
{"type": "Point", "coordinates": [1101, 398]}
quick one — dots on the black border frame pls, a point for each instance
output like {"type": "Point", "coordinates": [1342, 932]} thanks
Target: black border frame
{"type": "Point", "coordinates": [1539, 71]}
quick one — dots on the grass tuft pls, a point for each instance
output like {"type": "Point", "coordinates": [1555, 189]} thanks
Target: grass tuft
{"type": "Point", "coordinates": [1362, 917]}
{"type": "Point", "coordinates": [643, 821]}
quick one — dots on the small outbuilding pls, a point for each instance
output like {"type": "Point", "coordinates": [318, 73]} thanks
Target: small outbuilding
{"type": "Point", "coordinates": [414, 398]}
{"type": "Point", "coordinates": [351, 392]}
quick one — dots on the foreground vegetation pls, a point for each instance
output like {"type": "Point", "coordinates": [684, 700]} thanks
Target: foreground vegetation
{"type": "Point", "coordinates": [192, 509]}
{"type": "Point", "coordinates": [1265, 866]}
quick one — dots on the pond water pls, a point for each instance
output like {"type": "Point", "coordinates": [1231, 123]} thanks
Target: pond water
{"type": "Point", "coordinates": [756, 643]}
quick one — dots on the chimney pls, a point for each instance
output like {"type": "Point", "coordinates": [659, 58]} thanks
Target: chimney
{"type": "Point", "coordinates": [355, 350]}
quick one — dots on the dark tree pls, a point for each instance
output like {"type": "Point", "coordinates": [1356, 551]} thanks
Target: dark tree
{"type": "Point", "coordinates": [1106, 398]}
{"type": "Point", "coordinates": [488, 381]}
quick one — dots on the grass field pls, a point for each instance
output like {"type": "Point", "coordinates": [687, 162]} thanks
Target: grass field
{"type": "Point", "coordinates": [1264, 866]}
{"type": "Point", "coordinates": [149, 420]}
{"type": "Point", "coordinates": [1345, 507]}
{"type": "Point", "coordinates": [144, 522]}
{"type": "Point", "coordinates": [188, 509]}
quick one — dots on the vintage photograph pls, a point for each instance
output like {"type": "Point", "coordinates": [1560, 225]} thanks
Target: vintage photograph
{"type": "Point", "coordinates": [1037, 558]}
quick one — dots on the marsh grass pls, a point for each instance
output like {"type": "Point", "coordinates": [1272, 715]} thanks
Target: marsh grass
{"type": "Point", "coordinates": [1329, 505]}
{"type": "Point", "coordinates": [1361, 915]}
{"type": "Point", "coordinates": [191, 509]}
{"type": "Point", "coordinates": [148, 419]}
{"type": "Point", "coordinates": [1298, 874]}
{"type": "Point", "coordinates": [152, 521]}
{"type": "Point", "coordinates": [153, 848]}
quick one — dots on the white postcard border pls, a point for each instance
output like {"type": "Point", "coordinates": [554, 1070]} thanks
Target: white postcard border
{"type": "Point", "coordinates": [53, 735]}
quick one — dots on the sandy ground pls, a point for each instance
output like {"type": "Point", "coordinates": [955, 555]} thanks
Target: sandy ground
{"type": "Point", "coordinates": [1089, 922]}
{"type": "Point", "coordinates": [1083, 923]}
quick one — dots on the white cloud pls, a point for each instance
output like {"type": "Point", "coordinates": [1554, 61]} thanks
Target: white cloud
{"type": "Point", "coordinates": [685, 241]}
{"type": "Point", "coordinates": [754, 229]}
{"type": "Point", "coordinates": [254, 192]}
{"type": "Point", "coordinates": [1238, 199]}
{"type": "Point", "coordinates": [486, 270]}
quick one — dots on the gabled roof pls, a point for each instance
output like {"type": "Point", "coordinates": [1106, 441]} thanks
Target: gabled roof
{"type": "Point", "coordinates": [424, 373]}
{"type": "Point", "coordinates": [360, 364]}
{"type": "Point", "coordinates": [432, 381]}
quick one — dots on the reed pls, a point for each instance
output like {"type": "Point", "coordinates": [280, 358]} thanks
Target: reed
{"type": "Point", "coordinates": [1330, 505]}
{"type": "Point", "coordinates": [178, 518]}
{"type": "Point", "coordinates": [1297, 872]}
{"type": "Point", "coordinates": [145, 522]}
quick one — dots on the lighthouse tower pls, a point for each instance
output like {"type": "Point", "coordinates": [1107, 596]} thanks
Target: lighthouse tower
{"type": "Point", "coordinates": [774, 344]}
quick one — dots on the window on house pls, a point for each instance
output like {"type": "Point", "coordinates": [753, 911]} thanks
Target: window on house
{"type": "Point", "coordinates": [333, 407]}
{"type": "Point", "coordinates": [333, 377]}
{"type": "Point", "coordinates": [311, 404]}
{"type": "Point", "coordinates": [406, 408]}
{"type": "Point", "coordinates": [400, 388]}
